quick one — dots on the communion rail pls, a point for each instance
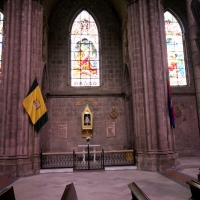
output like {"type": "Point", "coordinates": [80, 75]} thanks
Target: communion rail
{"type": "Point", "coordinates": [87, 160]}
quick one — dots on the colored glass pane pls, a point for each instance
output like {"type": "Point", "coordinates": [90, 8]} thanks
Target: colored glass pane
{"type": "Point", "coordinates": [84, 51]}
{"type": "Point", "coordinates": [175, 50]}
{"type": "Point", "coordinates": [1, 38]}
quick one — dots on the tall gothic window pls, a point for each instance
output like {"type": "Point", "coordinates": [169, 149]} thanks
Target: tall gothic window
{"type": "Point", "coordinates": [1, 38]}
{"type": "Point", "coordinates": [84, 51]}
{"type": "Point", "coordinates": [175, 51]}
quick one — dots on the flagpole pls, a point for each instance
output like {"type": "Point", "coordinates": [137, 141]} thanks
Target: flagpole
{"type": "Point", "coordinates": [33, 147]}
{"type": "Point", "coordinates": [173, 139]}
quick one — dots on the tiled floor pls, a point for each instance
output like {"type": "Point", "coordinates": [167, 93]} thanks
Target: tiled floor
{"type": "Point", "coordinates": [110, 185]}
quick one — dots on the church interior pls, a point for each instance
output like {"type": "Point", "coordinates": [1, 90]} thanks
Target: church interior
{"type": "Point", "coordinates": [125, 74]}
{"type": "Point", "coordinates": [107, 88]}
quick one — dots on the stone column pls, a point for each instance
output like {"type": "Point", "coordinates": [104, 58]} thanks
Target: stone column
{"type": "Point", "coordinates": [134, 47]}
{"type": "Point", "coordinates": [147, 52]}
{"type": "Point", "coordinates": [21, 62]}
{"type": "Point", "coordinates": [194, 33]}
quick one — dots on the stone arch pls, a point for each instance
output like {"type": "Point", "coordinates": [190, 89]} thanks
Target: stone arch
{"type": "Point", "coordinates": [108, 94]}
{"type": "Point", "coordinates": [84, 59]}
{"type": "Point", "coordinates": [60, 22]}
{"type": "Point", "coordinates": [176, 52]}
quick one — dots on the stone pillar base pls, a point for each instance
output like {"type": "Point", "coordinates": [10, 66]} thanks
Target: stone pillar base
{"type": "Point", "coordinates": [18, 166]}
{"type": "Point", "coordinates": [158, 161]}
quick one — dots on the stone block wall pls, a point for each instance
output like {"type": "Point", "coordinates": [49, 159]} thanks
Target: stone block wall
{"type": "Point", "coordinates": [65, 112]}
{"type": "Point", "coordinates": [62, 97]}
{"type": "Point", "coordinates": [110, 53]}
{"type": "Point", "coordinates": [187, 142]}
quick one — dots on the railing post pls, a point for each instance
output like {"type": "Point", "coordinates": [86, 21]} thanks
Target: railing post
{"type": "Point", "coordinates": [41, 159]}
{"type": "Point", "coordinates": [134, 156]}
{"type": "Point", "coordinates": [102, 158]}
{"type": "Point", "coordinates": [74, 160]}
{"type": "Point", "coordinates": [88, 157]}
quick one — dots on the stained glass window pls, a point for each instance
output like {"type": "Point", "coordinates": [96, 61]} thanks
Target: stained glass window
{"type": "Point", "coordinates": [175, 50]}
{"type": "Point", "coordinates": [84, 51]}
{"type": "Point", "coordinates": [1, 38]}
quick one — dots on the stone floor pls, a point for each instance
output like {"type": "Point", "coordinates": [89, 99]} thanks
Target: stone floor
{"type": "Point", "coordinates": [108, 185]}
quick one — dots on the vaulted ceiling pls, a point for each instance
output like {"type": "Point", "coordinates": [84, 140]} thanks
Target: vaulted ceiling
{"type": "Point", "coordinates": [118, 6]}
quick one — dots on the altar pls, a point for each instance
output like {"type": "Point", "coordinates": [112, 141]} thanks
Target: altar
{"type": "Point", "coordinates": [86, 149]}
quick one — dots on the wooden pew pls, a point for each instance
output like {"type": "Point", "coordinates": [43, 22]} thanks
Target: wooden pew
{"type": "Point", "coordinates": [69, 193]}
{"type": "Point", "coordinates": [195, 189]}
{"type": "Point", "coordinates": [7, 194]}
{"type": "Point", "coordinates": [137, 193]}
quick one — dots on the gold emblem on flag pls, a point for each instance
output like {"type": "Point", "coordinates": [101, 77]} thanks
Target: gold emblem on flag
{"type": "Point", "coordinates": [36, 104]}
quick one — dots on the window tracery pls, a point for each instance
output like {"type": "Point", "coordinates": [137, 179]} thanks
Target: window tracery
{"type": "Point", "coordinates": [84, 51]}
{"type": "Point", "coordinates": [175, 51]}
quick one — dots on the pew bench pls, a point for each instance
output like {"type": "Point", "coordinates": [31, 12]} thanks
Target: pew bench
{"type": "Point", "coordinates": [137, 193]}
{"type": "Point", "coordinates": [7, 194]}
{"type": "Point", "coordinates": [69, 193]}
{"type": "Point", "coordinates": [195, 189]}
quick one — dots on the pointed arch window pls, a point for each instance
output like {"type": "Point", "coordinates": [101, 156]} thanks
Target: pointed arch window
{"type": "Point", "coordinates": [84, 51]}
{"type": "Point", "coordinates": [1, 38]}
{"type": "Point", "coordinates": [175, 51]}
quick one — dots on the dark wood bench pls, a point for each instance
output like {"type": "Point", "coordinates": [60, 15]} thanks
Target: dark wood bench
{"type": "Point", "coordinates": [195, 189]}
{"type": "Point", "coordinates": [69, 193]}
{"type": "Point", "coordinates": [7, 194]}
{"type": "Point", "coordinates": [137, 193]}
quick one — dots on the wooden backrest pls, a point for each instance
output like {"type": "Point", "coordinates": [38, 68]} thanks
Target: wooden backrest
{"type": "Point", "coordinates": [7, 194]}
{"type": "Point", "coordinates": [137, 193]}
{"type": "Point", "coordinates": [69, 193]}
{"type": "Point", "coordinates": [194, 184]}
{"type": "Point", "coordinates": [195, 189]}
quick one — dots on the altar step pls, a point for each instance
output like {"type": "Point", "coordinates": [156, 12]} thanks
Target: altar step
{"type": "Point", "coordinates": [70, 170]}
{"type": "Point", "coordinates": [114, 168]}
{"type": "Point", "coordinates": [61, 170]}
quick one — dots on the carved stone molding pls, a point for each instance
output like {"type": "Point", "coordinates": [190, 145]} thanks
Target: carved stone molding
{"type": "Point", "coordinates": [113, 114]}
{"type": "Point", "coordinates": [178, 112]}
{"type": "Point", "coordinates": [95, 103]}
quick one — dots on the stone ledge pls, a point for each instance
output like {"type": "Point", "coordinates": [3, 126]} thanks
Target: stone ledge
{"type": "Point", "coordinates": [115, 168]}
{"type": "Point", "coordinates": [64, 170]}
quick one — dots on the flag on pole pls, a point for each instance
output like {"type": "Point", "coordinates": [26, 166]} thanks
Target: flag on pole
{"type": "Point", "coordinates": [35, 106]}
{"type": "Point", "coordinates": [171, 108]}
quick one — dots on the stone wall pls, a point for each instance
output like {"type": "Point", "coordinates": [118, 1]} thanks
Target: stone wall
{"type": "Point", "coordinates": [185, 100]}
{"type": "Point", "coordinates": [62, 97]}
{"type": "Point", "coordinates": [110, 55]}
{"type": "Point", "coordinates": [66, 112]}
{"type": "Point", "coordinates": [1, 85]}
{"type": "Point", "coordinates": [21, 63]}
{"type": "Point", "coordinates": [133, 71]}
{"type": "Point", "coordinates": [1, 101]}
{"type": "Point", "coordinates": [187, 130]}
